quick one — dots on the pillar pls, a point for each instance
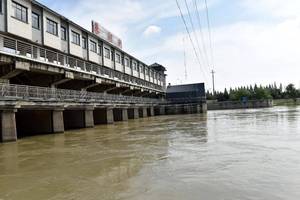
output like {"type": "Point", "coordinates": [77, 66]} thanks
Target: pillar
{"type": "Point", "coordinates": [151, 111]}
{"type": "Point", "coordinates": [58, 121]}
{"type": "Point", "coordinates": [136, 113]}
{"type": "Point", "coordinates": [204, 108]}
{"type": "Point", "coordinates": [89, 118]}
{"type": "Point", "coordinates": [8, 126]}
{"type": "Point", "coordinates": [109, 116]}
{"type": "Point", "coordinates": [162, 110]}
{"type": "Point", "coordinates": [145, 112]}
{"type": "Point", "coordinates": [198, 108]}
{"type": "Point", "coordinates": [124, 114]}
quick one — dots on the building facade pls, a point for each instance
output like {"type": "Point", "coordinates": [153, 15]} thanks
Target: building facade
{"type": "Point", "coordinates": [33, 32]}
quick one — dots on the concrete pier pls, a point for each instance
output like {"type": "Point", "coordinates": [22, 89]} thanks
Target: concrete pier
{"type": "Point", "coordinates": [8, 126]}
{"type": "Point", "coordinates": [144, 112]}
{"type": "Point", "coordinates": [125, 114]}
{"type": "Point", "coordinates": [58, 121]}
{"type": "Point", "coordinates": [151, 111]}
{"type": "Point", "coordinates": [89, 118]}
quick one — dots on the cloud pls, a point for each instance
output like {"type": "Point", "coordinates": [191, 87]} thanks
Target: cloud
{"type": "Point", "coordinates": [151, 30]}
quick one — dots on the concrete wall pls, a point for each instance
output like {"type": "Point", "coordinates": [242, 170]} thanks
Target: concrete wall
{"type": "Point", "coordinates": [16, 26]}
{"type": "Point", "coordinates": [283, 102]}
{"type": "Point", "coordinates": [51, 40]}
{"type": "Point", "coordinates": [239, 105]}
{"type": "Point", "coordinates": [37, 33]}
{"type": "Point", "coordinates": [64, 43]}
{"type": "Point", "coordinates": [94, 57]}
{"type": "Point", "coordinates": [107, 62]}
{"type": "Point", "coordinates": [74, 48]}
{"type": "Point", "coordinates": [2, 17]}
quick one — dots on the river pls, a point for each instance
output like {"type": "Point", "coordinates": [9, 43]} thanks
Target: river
{"type": "Point", "coordinates": [224, 155]}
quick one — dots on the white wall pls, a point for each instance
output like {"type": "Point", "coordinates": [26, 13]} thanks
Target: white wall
{"type": "Point", "coordinates": [16, 26]}
{"type": "Point", "coordinates": [75, 49]}
{"type": "Point", "coordinates": [94, 57]}
{"type": "Point", "coordinates": [50, 39]}
{"type": "Point", "coordinates": [119, 66]}
{"type": "Point", "coordinates": [107, 62]}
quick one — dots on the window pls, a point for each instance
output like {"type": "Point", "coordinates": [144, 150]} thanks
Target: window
{"type": "Point", "coordinates": [75, 38]}
{"type": "Point", "coordinates": [63, 32]}
{"type": "Point", "coordinates": [19, 12]}
{"type": "Point", "coordinates": [1, 7]}
{"type": "Point", "coordinates": [134, 66]}
{"type": "Point", "coordinates": [100, 50]}
{"type": "Point", "coordinates": [118, 58]}
{"type": "Point", "coordinates": [93, 46]}
{"type": "Point", "coordinates": [35, 20]}
{"type": "Point", "coordinates": [126, 62]}
{"type": "Point", "coordinates": [84, 43]}
{"type": "Point", "coordinates": [106, 53]}
{"type": "Point", "coordinates": [52, 27]}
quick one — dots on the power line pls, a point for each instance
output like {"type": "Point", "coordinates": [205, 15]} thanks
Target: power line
{"type": "Point", "coordinates": [193, 45]}
{"type": "Point", "coordinates": [184, 57]}
{"type": "Point", "coordinates": [210, 36]}
{"type": "Point", "coordinates": [201, 32]}
{"type": "Point", "coordinates": [194, 32]}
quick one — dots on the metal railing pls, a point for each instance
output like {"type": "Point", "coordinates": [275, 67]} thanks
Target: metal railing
{"type": "Point", "coordinates": [34, 52]}
{"type": "Point", "coordinates": [38, 94]}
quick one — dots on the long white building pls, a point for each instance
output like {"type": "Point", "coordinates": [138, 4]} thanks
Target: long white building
{"type": "Point", "coordinates": [31, 31]}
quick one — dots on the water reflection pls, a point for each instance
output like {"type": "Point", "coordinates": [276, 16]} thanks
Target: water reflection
{"type": "Point", "coordinates": [222, 155]}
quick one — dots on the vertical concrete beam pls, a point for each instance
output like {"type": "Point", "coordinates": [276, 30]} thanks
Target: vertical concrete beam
{"type": "Point", "coordinates": [89, 118]}
{"type": "Point", "coordinates": [151, 111]}
{"type": "Point", "coordinates": [58, 121]}
{"type": "Point", "coordinates": [204, 108]}
{"type": "Point", "coordinates": [109, 115]}
{"type": "Point", "coordinates": [145, 114]}
{"type": "Point", "coordinates": [162, 110]}
{"type": "Point", "coordinates": [8, 126]}
{"type": "Point", "coordinates": [198, 108]}
{"type": "Point", "coordinates": [125, 114]}
{"type": "Point", "coordinates": [136, 113]}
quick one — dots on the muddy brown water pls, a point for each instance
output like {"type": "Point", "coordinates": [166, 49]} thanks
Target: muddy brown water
{"type": "Point", "coordinates": [236, 154]}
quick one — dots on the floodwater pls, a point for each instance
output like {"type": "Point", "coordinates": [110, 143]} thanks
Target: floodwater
{"type": "Point", "coordinates": [225, 155]}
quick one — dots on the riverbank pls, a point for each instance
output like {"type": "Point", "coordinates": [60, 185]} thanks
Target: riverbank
{"type": "Point", "coordinates": [286, 102]}
{"type": "Point", "coordinates": [226, 105]}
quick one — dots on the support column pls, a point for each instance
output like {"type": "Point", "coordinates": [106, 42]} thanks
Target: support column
{"type": "Point", "coordinates": [151, 111]}
{"type": "Point", "coordinates": [204, 108]}
{"type": "Point", "coordinates": [8, 126]}
{"type": "Point", "coordinates": [125, 114]}
{"type": "Point", "coordinates": [145, 114]}
{"type": "Point", "coordinates": [109, 115]}
{"type": "Point", "coordinates": [58, 121]}
{"type": "Point", "coordinates": [89, 118]}
{"type": "Point", "coordinates": [198, 108]}
{"type": "Point", "coordinates": [136, 113]}
{"type": "Point", "coordinates": [162, 110]}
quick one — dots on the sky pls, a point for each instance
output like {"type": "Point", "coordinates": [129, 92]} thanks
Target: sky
{"type": "Point", "coordinates": [253, 41]}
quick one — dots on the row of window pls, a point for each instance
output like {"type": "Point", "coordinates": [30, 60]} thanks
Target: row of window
{"type": "Point", "coordinates": [20, 12]}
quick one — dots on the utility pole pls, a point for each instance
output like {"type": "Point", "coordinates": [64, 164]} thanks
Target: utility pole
{"type": "Point", "coordinates": [213, 80]}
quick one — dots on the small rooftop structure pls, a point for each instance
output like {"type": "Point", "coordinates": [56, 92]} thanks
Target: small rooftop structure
{"type": "Point", "coordinates": [158, 67]}
{"type": "Point", "coordinates": [190, 93]}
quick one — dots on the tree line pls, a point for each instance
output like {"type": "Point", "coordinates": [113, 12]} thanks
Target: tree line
{"type": "Point", "coordinates": [255, 92]}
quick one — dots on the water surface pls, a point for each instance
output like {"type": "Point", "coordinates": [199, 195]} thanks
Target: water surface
{"type": "Point", "coordinates": [241, 154]}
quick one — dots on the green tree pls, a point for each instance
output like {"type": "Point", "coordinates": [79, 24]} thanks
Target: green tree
{"type": "Point", "coordinates": [291, 91]}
